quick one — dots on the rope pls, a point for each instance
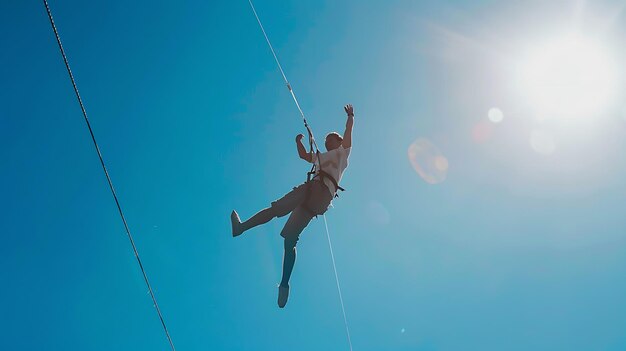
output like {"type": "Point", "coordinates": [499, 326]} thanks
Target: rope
{"type": "Point", "coordinates": [293, 95]}
{"type": "Point", "coordinates": [106, 173]}
{"type": "Point", "coordinates": [282, 72]}
{"type": "Point", "coordinates": [343, 309]}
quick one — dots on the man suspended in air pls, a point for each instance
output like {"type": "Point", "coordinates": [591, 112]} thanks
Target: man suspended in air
{"type": "Point", "coordinates": [307, 200]}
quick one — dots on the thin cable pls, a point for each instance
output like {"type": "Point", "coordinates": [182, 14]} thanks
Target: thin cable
{"type": "Point", "coordinates": [106, 173]}
{"type": "Point", "coordinates": [267, 39]}
{"type": "Point", "coordinates": [282, 72]}
{"type": "Point", "coordinates": [293, 95]}
{"type": "Point", "coordinates": [343, 309]}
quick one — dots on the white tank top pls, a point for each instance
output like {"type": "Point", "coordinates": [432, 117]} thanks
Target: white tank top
{"type": "Point", "coordinates": [333, 162]}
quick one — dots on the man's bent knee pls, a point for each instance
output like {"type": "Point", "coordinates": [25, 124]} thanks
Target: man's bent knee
{"type": "Point", "coordinates": [279, 210]}
{"type": "Point", "coordinates": [290, 244]}
{"type": "Point", "coordinates": [289, 202]}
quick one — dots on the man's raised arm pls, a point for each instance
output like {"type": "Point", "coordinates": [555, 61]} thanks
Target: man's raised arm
{"type": "Point", "coordinates": [307, 156]}
{"type": "Point", "coordinates": [347, 135]}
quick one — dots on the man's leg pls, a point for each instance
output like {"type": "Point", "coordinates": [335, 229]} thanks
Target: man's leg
{"type": "Point", "coordinates": [261, 217]}
{"type": "Point", "coordinates": [298, 220]}
{"type": "Point", "coordinates": [279, 208]}
{"type": "Point", "coordinates": [289, 259]}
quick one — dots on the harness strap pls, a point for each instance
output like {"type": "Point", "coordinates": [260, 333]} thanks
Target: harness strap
{"type": "Point", "coordinates": [323, 175]}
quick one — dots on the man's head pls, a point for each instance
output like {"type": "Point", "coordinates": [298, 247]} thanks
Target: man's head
{"type": "Point", "coordinates": [333, 141]}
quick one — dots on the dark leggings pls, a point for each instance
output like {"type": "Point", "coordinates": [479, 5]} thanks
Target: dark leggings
{"type": "Point", "coordinates": [298, 219]}
{"type": "Point", "coordinates": [293, 202]}
{"type": "Point", "coordinates": [289, 259]}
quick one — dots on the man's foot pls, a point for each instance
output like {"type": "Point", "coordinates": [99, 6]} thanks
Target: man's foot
{"type": "Point", "coordinates": [283, 295]}
{"type": "Point", "coordinates": [236, 223]}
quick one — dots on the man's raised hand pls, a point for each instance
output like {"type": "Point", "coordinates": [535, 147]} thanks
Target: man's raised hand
{"type": "Point", "coordinates": [349, 110]}
{"type": "Point", "coordinates": [299, 137]}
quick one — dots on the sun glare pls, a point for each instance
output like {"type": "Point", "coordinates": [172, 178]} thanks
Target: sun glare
{"type": "Point", "coordinates": [569, 77]}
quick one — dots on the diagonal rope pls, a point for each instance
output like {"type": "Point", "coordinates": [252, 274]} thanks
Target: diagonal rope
{"type": "Point", "coordinates": [293, 95]}
{"type": "Point", "coordinates": [332, 256]}
{"type": "Point", "coordinates": [106, 173]}
{"type": "Point", "coordinates": [282, 72]}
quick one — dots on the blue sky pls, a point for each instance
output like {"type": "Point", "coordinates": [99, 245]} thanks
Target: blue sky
{"type": "Point", "coordinates": [521, 247]}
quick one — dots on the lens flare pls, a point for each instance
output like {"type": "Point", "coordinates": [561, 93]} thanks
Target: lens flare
{"type": "Point", "coordinates": [482, 132]}
{"type": "Point", "coordinates": [428, 161]}
{"type": "Point", "coordinates": [377, 213]}
{"type": "Point", "coordinates": [572, 76]}
{"type": "Point", "coordinates": [542, 142]}
{"type": "Point", "coordinates": [495, 115]}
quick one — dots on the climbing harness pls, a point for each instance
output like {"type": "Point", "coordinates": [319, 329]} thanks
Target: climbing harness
{"type": "Point", "coordinates": [318, 176]}
{"type": "Point", "coordinates": [106, 173]}
{"type": "Point", "coordinates": [314, 172]}
{"type": "Point", "coordinates": [323, 175]}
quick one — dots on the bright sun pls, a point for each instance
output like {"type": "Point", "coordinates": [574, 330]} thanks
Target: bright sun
{"type": "Point", "coordinates": [568, 77]}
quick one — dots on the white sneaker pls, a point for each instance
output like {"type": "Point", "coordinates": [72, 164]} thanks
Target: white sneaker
{"type": "Point", "coordinates": [283, 295]}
